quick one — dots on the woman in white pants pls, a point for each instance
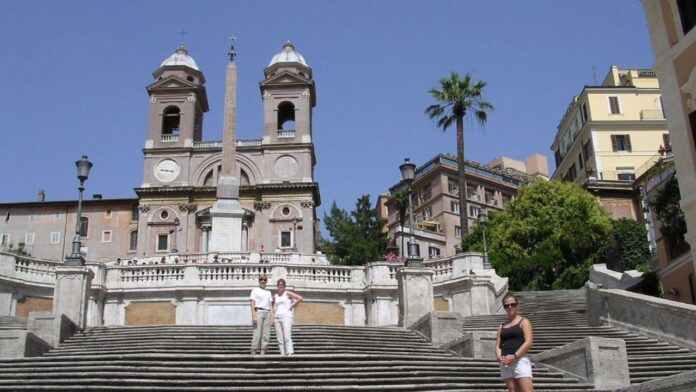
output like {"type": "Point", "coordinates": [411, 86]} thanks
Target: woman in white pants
{"type": "Point", "coordinates": [283, 303]}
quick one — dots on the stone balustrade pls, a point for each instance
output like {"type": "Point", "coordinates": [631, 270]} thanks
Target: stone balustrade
{"type": "Point", "coordinates": [207, 288]}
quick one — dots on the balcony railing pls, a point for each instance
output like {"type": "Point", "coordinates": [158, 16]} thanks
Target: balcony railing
{"type": "Point", "coordinates": [288, 133]}
{"type": "Point", "coordinates": [218, 143]}
{"type": "Point", "coordinates": [651, 115]}
{"type": "Point", "coordinates": [170, 138]}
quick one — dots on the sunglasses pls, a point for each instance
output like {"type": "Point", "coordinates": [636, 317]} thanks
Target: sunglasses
{"type": "Point", "coordinates": [510, 306]}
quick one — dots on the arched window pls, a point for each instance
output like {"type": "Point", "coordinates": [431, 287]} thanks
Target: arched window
{"type": "Point", "coordinates": [84, 226]}
{"type": "Point", "coordinates": [211, 179]}
{"type": "Point", "coordinates": [170, 120]}
{"type": "Point", "coordinates": [243, 177]}
{"type": "Point", "coordinates": [133, 243]}
{"type": "Point", "coordinates": [286, 116]}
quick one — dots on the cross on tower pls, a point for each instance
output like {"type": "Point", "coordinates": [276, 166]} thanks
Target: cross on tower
{"type": "Point", "coordinates": [232, 53]}
{"type": "Point", "coordinates": [183, 33]}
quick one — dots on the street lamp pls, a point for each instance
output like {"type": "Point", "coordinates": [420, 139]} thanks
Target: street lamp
{"type": "Point", "coordinates": [83, 167]}
{"type": "Point", "coordinates": [482, 218]}
{"type": "Point", "coordinates": [294, 234]}
{"type": "Point", "coordinates": [408, 174]}
{"type": "Point", "coordinates": [174, 232]}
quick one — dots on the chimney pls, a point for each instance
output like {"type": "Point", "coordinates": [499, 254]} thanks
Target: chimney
{"type": "Point", "coordinates": [42, 195]}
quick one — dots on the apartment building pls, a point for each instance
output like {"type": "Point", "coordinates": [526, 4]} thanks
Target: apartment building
{"type": "Point", "coordinates": [672, 27]}
{"type": "Point", "coordinates": [435, 198]}
{"type": "Point", "coordinates": [611, 134]}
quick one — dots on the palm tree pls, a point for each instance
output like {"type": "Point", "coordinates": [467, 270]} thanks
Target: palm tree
{"type": "Point", "coordinates": [456, 97]}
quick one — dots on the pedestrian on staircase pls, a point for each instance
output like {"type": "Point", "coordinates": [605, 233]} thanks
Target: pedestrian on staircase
{"type": "Point", "coordinates": [261, 316]}
{"type": "Point", "coordinates": [514, 339]}
{"type": "Point", "coordinates": [284, 302]}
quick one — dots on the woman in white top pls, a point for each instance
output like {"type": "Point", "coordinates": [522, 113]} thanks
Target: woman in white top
{"type": "Point", "coordinates": [283, 303]}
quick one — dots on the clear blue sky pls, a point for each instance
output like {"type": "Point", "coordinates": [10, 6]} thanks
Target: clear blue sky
{"type": "Point", "coordinates": [74, 76]}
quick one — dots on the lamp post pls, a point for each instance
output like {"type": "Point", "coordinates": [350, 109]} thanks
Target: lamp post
{"type": "Point", "coordinates": [175, 232]}
{"type": "Point", "coordinates": [83, 167]}
{"type": "Point", "coordinates": [408, 174]}
{"type": "Point", "coordinates": [482, 219]}
{"type": "Point", "coordinates": [294, 234]}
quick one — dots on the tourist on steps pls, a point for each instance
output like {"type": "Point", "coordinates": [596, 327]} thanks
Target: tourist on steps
{"type": "Point", "coordinates": [283, 303]}
{"type": "Point", "coordinates": [513, 341]}
{"type": "Point", "coordinates": [261, 316]}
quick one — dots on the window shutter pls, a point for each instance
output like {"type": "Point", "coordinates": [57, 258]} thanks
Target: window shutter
{"type": "Point", "coordinates": [628, 142]}
{"type": "Point", "coordinates": [613, 143]}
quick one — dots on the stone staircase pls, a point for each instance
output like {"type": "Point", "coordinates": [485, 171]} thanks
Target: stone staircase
{"type": "Point", "coordinates": [11, 322]}
{"type": "Point", "coordinates": [210, 358]}
{"type": "Point", "coordinates": [559, 317]}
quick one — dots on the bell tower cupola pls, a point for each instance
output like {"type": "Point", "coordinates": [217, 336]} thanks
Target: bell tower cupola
{"type": "Point", "coordinates": [288, 98]}
{"type": "Point", "coordinates": [178, 100]}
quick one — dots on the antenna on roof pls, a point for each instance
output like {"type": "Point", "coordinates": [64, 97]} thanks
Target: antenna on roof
{"type": "Point", "coordinates": [594, 74]}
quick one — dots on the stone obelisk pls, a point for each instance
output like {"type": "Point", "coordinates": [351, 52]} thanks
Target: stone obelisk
{"type": "Point", "coordinates": [226, 213]}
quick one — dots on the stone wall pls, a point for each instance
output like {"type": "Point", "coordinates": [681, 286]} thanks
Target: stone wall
{"type": "Point", "coordinates": [33, 304]}
{"type": "Point", "coordinates": [150, 313]}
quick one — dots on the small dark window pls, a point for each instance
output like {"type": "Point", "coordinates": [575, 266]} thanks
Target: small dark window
{"type": "Point", "coordinates": [626, 176]}
{"type": "Point", "coordinates": [557, 157]}
{"type": "Point", "coordinates": [162, 242]}
{"type": "Point", "coordinates": [687, 14]}
{"type": "Point", "coordinates": [171, 119]}
{"type": "Point", "coordinates": [190, 78]}
{"type": "Point", "coordinates": [286, 116]}
{"type": "Point", "coordinates": [84, 226]}
{"type": "Point", "coordinates": [621, 143]}
{"type": "Point", "coordinates": [587, 149]}
{"type": "Point", "coordinates": [135, 212]}
{"type": "Point", "coordinates": [133, 243]}
{"type": "Point", "coordinates": [433, 251]}
{"type": "Point", "coordinates": [580, 161]}
{"type": "Point", "coordinates": [665, 142]}
{"type": "Point", "coordinates": [285, 237]}
{"type": "Point", "coordinates": [572, 172]}
{"type": "Point", "coordinates": [614, 105]}
{"type": "Point", "coordinates": [584, 113]}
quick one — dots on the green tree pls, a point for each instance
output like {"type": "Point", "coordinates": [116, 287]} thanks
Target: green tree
{"type": "Point", "coordinates": [629, 249]}
{"type": "Point", "coordinates": [20, 250]}
{"type": "Point", "coordinates": [547, 238]}
{"type": "Point", "coordinates": [356, 237]}
{"type": "Point", "coordinates": [666, 207]}
{"type": "Point", "coordinates": [456, 97]}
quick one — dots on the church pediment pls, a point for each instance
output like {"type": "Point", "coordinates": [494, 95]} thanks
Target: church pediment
{"type": "Point", "coordinates": [285, 78]}
{"type": "Point", "coordinates": [171, 82]}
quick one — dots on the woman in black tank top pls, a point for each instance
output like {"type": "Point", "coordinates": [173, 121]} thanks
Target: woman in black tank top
{"type": "Point", "coordinates": [513, 341]}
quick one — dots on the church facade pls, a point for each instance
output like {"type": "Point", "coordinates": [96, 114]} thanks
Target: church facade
{"type": "Point", "coordinates": [277, 192]}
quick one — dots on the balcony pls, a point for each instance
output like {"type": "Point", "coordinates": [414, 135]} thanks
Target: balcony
{"type": "Point", "coordinates": [286, 133]}
{"type": "Point", "coordinates": [218, 143]}
{"type": "Point", "coordinates": [652, 115]}
{"type": "Point", "coordinates": [170, 138]}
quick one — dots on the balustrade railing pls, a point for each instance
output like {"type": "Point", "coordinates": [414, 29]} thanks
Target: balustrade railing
{"type": "Point", "coordinates": [286, 133]}
{"type": "Point", "coordinates": [152, 273]}
{"type": "Point", "coordinates": [320, 274]}
{"type": "Point", "coordinates": [441, 268]}
{"type": "Point", "coordinates": [170, 138]}
{"type": "Point", "coordinates": [275, 257]}
{"type": "Point", "coordinates": [35, 267]}
{"type": "Point", "coordinates": [233, 272]}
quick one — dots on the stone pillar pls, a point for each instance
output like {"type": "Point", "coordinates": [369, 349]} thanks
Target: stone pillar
{"type": "Point", "coordinates": [71, 294]}
{"type": "Point", "coordinates": [205, 232]}
{"type": "Point", "coordinates": [415, 294]}
{"type": "Point", "coordinates": [245, 237]}
{"type": "Point", "coordinates": [227, 213]}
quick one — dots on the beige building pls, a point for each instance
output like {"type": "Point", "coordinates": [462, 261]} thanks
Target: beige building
{"type": "Point", "coordinates": [180, 173]}
{"type": "Point", "coordinates": [671, 258]}
{"type": "Point", "coordinates": [611, 134]}
{"type": "Point", "coordinates": [436, 204]}
{"type": "Point", "coordinates": [672, 26]}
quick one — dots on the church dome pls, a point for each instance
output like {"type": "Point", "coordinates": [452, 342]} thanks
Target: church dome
{"type": "Point", "coordinates": [288, 55]}
{"type": "Point", "coordinates": [180, 57]}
